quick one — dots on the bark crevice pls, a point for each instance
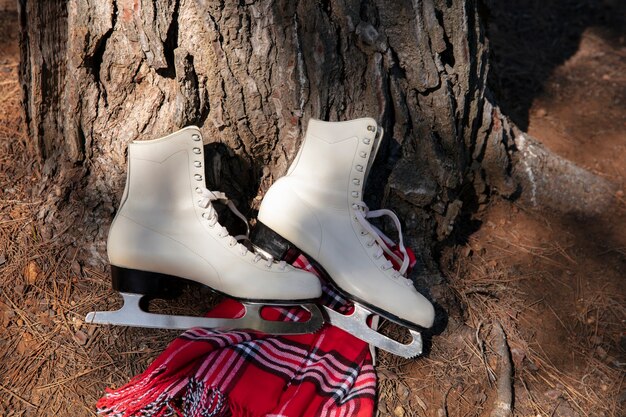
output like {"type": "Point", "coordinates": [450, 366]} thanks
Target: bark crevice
{"type": "Point", "coordinates": [170, 44]}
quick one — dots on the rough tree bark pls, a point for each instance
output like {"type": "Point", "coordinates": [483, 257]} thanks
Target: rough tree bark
{"type": "Point", "coordinates": [98, 74]}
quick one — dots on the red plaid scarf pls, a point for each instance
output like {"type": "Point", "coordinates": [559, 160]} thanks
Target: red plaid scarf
{"type": "Point", "coordinates": [239, 373]}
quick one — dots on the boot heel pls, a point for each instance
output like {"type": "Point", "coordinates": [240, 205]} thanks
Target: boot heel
{"type": "Point", "coordinates": [151, 284]}
{"type": "Point", "coordinates": [271, 242]}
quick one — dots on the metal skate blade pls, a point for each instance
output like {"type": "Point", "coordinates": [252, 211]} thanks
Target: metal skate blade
{"type": "Point", "coordinates": [131, 314]}
{"type": "Point", "coordinates": [356, 324]}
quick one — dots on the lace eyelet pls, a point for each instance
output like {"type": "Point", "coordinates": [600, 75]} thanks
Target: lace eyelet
{"type": "Point", "coordinates": [356, 181]}
{"type": "Point", "coordinates": [371, 128]}
{"type": "Point", "coordinates": [359, 168]}
{"type": "Point", "coordinates": [362, 154]}
{"type": "Point", "coordinates": [197, 164]}
{"type": "Point", "coordinates": [366, 141]}
{"type": "Point", "coordinates": [363, 232]}
{"type": "Point", "coordinates": [195, 137]}
{"type": "Point", "coordinates": [355, 194]}
{"type": "Point", "coordinates": [198, 177]}
{"type": "Point", "coordinates": [198, 190]}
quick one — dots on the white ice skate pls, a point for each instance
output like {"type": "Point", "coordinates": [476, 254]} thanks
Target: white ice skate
{"type": "Point", "coordinates": [317, 208]}
{"type": "Point", "coordinates": [167, 231]}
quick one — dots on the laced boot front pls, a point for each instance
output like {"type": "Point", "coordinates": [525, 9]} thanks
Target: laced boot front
{"type": "Point", "coordinates": [317, 208]}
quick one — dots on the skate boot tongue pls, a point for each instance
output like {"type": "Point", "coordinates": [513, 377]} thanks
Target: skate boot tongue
{"type": "Point", "coordinates": [208, 197]}
{"type": "Point", "coordinates": [383, 242]}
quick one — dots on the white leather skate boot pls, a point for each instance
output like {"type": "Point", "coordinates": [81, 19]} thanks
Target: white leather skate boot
{"type": "Point", "coordinates": [317, 209]}
{"type": "Point", "coordinates": [166, 231]}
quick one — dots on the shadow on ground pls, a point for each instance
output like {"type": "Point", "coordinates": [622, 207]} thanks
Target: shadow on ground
{"type": "Point", "coordinates": [530, 38]}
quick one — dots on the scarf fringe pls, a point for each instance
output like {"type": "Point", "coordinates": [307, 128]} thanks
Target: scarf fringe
{"type": "Point", "coordinates": [152, 396]}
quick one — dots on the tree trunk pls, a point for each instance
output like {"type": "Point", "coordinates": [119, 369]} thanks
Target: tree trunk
{"type": "Point", "coordinates": [99, 74]}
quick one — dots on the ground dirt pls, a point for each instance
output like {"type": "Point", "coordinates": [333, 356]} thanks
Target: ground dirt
{"type": "Point", "coordinates": [555, 284]}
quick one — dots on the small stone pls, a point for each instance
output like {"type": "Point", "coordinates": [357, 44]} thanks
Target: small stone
{"type": "Point", "coordinates": [80, 337]}
{"type": "Point", "coordinates": [44, 319]}
{"type": "Point", "coordinates": [542, 112]}
{"type": "Point", "coordinates": [403, 392]}
{"type": "Point", "coordinates": [553, 394]}
{"type": "Point", "coordinates": [21, 347]}
{"type": "Point", "coordinates": [606, 77]}
{"type": "Point", "coordinates": [76, 268]}
{"type": "Point", "coordinates": [3, 259]}
{"type": "Point", "coordinates": [619, 193]}
{"type": "Point", "coordinates": [31, 272]}
{"type": "Point", "coordinates": [601, 352]}
{"type": "Point", "coordinates": [399, 411]}
{"type": "Point", "coordinates": [46, 232]}
{"type": "Point", "coordinates": [595, 340]}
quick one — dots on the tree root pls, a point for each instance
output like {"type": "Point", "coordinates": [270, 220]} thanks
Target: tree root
{"type": "Point", "coordinates": [549, 180]}
{"type": "Point", "coordinates": [504, 401]}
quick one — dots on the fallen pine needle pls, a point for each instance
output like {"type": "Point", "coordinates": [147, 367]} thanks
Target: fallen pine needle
{"type": "Point", "coordinates": [64, 380]}
{"type": "Point", "coordinates": [19, 397]}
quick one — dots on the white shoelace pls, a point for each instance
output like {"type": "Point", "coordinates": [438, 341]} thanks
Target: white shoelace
{"type": "Point", "coordinates": [208, 197]}
{"type": "Point", "coordinates": [381, 241]}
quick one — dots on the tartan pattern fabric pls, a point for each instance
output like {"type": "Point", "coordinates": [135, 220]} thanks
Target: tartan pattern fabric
{"type": "Point", "coordinates": [244, 373]}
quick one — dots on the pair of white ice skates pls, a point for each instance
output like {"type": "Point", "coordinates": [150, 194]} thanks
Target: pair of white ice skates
{"type": "Point", "coordinates": [167, 229]}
